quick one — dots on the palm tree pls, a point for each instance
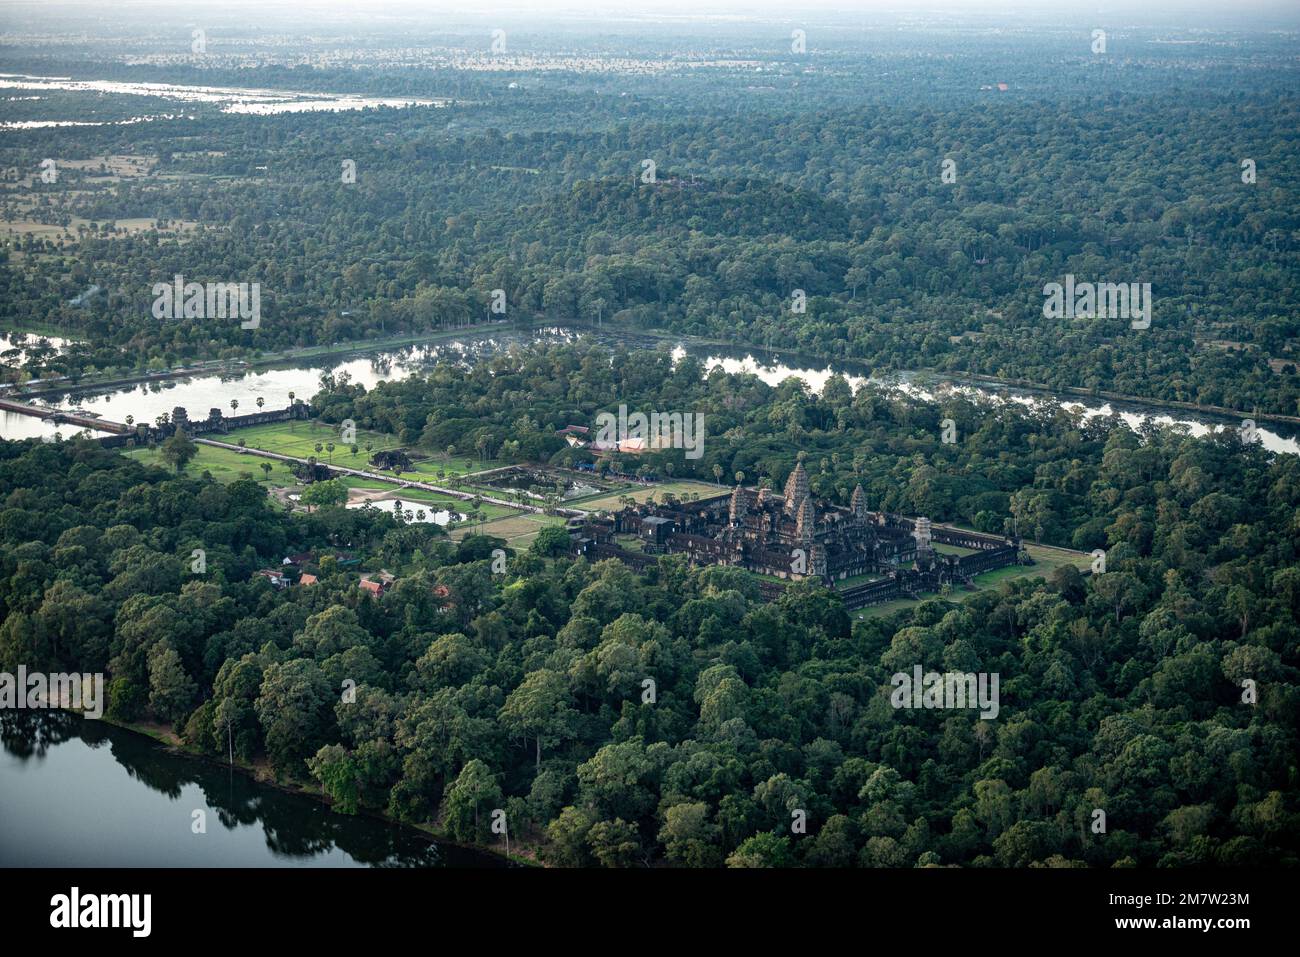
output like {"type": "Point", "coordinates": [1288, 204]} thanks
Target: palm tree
{"type": "Point", "coordinates": [266, 469]}
{"type": "Point", "coordinates": [330, 448]}
{"type": "Point", "coordinates": [260, 402]}
{"type": "Point", "coordinates": [717, 474]}
{"type": "Point", "coordinates": [291, 412]}
{"type": "Point", "coordinates": [234, 404]}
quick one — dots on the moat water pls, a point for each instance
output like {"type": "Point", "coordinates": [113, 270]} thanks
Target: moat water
{"type": "Point", "coordinates": [146, 401]}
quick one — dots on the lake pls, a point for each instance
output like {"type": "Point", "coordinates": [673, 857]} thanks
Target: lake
{"type": "Point", "coordinates": [81, 793]}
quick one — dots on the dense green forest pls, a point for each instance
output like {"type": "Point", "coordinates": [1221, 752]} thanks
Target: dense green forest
{"type": "Point", "coordinates": [523, 690]}
{"type": "Point", "coordinates": [824, 176]}
{"type": "Point", "coordinates": [895, 191]}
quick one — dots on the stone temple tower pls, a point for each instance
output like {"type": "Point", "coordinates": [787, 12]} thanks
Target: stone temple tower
{"type": "Point", "coordinates": [921, 532]}
{"type": "Point", "coordinates": [859, 505]}
{"type": "Point", "coordinates": [806, 522]}
{"type": "Point", "coordinates": [796, 490]}
{"type": "Point", "coordinates": [739, 506]}
{"type": "Point", "coordinates": [817, 562]}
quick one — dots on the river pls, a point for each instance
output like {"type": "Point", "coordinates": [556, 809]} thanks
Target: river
{"type": "Point", "coordinates": [81, 793]}
{"type": "Point", "coordinates": [200, 393]}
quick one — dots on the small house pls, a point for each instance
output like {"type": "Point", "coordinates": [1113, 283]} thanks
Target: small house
{"type": "Point", "coordinates": [378, 584]}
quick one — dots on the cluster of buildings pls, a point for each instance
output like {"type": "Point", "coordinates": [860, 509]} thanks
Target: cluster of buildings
{"type": "Point", "coordinates": [293, 570]}
{"type": "Point", "coordinates": [870, 556]}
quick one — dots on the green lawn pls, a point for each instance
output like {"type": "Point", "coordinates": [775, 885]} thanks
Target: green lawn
{"type": "Point", "coordinates": [518, 530]}
{"type": "Point", "coordinates": [227, 465]}
{"type": "Point", "coordinates": [957, 550]}
{"type": "Point", "coordinates": [1049, 559]}
{"type": "Point", "coordinates": [857, 580]}
{"type": "Point", "coordinates": [610, 501]}
{"type": "Point", "coordinates": [1046, 560]}
{"type": "Point", "coordinates": [224, 464]}
{"type": "Point", "coordinates": [461, 465]}
{"type": "Point", "coordinates": [425, 497]}
{"type": "Point", "coordinates": [300, 439]}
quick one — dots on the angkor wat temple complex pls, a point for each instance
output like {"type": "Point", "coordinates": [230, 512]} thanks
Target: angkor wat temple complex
{"type": "Point", "coordinates": [794, 536]}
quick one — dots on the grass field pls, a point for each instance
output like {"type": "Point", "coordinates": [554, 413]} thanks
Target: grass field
{"type": "Point", "coordinates": [129, 225]}
{"type": "Point", "coordinates": [631, 542]}
{"type": "Point", "coordinates": [225, 465]}
{"type": "Point", "coordinates": [642, 492]}
{"type": "Point", "coordinates": [228, 466]}
{"type": "Point", "coordinates": [957, 550]}
{"type": "Point", "coordinates": [301, 438]}
{"type": "Point", "coordinates": [518, 530]}
{"type": "Point", "coordinates": [1046, 560]}
{"type": "Point", "coordinates": [857, 580]}
{"type": "Point", "coordinates": [433, 499]}
{"type": "Point", "coordinates": [1049, 558]}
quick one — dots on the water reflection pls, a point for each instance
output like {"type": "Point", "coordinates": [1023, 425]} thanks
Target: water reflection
{"type": "Point", "coordinates": [79, 793]}
{"type": "Point", "coordinates": [231, 99]}
{"type": "Point", "coordinates": [772, 370]}
{"type": "Point", "coordinates": [148, 400]}
{"type": "Point", "coordinates": [198, 394]}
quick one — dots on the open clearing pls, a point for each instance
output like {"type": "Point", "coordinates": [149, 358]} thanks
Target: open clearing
{"type": "Point", "coordinates": [518, 530]}
{"type": "Point", "coordinates": [642, 492]}
{"type": "Point", "coordinates": [224, 464]}
{"type": "Point", "coordinates": [1046, 560]}
{"type": "Point", "coordinates": [300, 439]}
